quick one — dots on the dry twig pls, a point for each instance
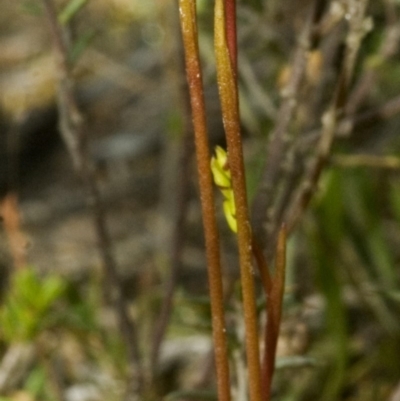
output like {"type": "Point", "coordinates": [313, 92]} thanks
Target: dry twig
{"type": "Point", "coordinates": [72, 131]}
{"type": "Point", "coordinates": [280, 138]}
{"type": "Point", "coordinates": [358, 27]}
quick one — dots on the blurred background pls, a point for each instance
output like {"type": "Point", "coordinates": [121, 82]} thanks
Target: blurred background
{"type": "Point", "coordinates": [340, 336]}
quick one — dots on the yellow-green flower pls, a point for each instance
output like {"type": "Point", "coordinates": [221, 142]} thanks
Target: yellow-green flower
{"type": "Point", "coordinates": [222, 179]}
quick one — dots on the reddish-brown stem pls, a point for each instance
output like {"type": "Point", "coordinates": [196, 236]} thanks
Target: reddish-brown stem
{"type": "Point", "coordinates": [274, 312]}
{"type": "Point", "coordinates": [262, 266]}
{"type": "Point", "coordinates": [227, 84]}
{"type": "Point", "coordinates": [187, 9]}
{"type": "Point", "coordinates": [231, 35]}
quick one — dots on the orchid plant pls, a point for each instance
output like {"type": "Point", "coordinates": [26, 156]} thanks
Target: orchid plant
{"type": "Point", "coordinates": [227, 169]}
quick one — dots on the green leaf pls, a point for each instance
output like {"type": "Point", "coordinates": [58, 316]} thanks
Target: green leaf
{"type": "Point", "coordinates": [70, 10]}
{"type": "Point", "coordinates": [328, 279]}
{"type": "Point", "coordinates": [395, 200]}
{"type": "Point", "coordinates": [330, 205]}
{"type": "Point", "coordinates": [382, 259]}
{"type": "Point", "coordinates": [52, 288]}
{"type": "Point", "coordinates": [81, 45]}
{"type": "Point", "coordinates": [36, 381]}
{"type": "Point", "coordinates": [28, 306]}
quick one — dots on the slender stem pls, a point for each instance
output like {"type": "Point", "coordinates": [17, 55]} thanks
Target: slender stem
{"type": "Point", "coordinates": [230, 112]}
{"type": "Point", "coordinates": [72, 131]}
{"type": "Point", "coordinates": [262, 266]}
{"type": "Point", "coordinates": [350, 124]}
{"type": "Point", "coordinates": [274, 313]}
{"type": "Point", "coordinates": [187, 10]}
{"type": "Point", "coordinates": [175, 254]}
{"type": "Point", "coordinates": [231, 35]}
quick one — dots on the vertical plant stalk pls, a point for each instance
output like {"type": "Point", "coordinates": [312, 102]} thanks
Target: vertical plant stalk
{"type": "Point", "coordinates": [187, 11]}
{"type": "Point", "coordinates": [227, 85]}
{"type": "Point", "coordinates": [274, 314]}
{"type": "Point", "coordinates": [72, 131]}
{"type": "Point", "coordinates": [231, 32]}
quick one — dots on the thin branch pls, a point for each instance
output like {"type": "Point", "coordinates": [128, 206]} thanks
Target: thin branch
{"type": "Point", "coordinates": [188, 20]}
{"type": "Point", "coordinates": [388, 49]}
{"type": "Point", "coordinates": [312, 176]}
{"type": "Point", "coordinates": [349, 125]}
{"type": "Point", "coordinates": [357, 31]}
{"type": "Point", "coordinates": [279, 138]}
{"type": "Point", "coordinates": [254, 88]}
{"type": "Point", "coordinates": [344, 128]}
{"type": "Point", "coordinates": [72, 131]}
{"type": "Point", "coordinates": [370, 161]}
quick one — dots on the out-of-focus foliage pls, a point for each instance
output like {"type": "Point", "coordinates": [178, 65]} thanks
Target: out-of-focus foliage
{"type": "Point", "coordinates": [352, 241]}
{"type": "Point", "coordinates": [72, 8]}
{"type": "Point", "coordinates": [29, 306]}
